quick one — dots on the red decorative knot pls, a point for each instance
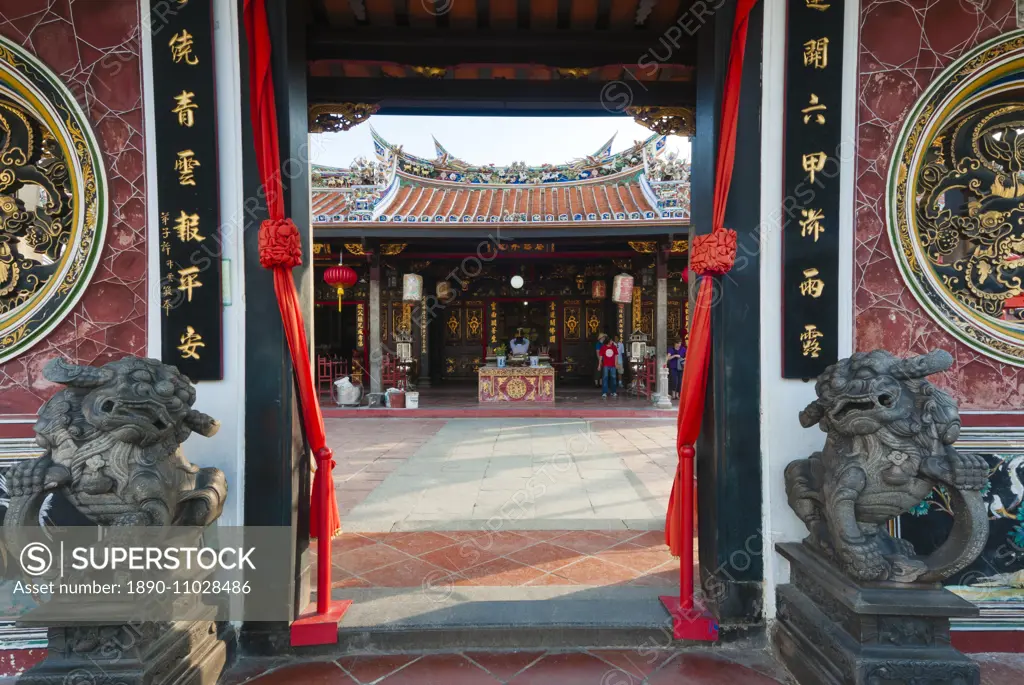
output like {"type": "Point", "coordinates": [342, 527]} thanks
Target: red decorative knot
{"type": "Point", "coordinates": [713, 254]}
{"type": "Point", "coordinates": [687, 452]}
{"type": "Point", "coordinates": [325, 455]}
{"type": "Point", "coordinates": [280, 244]}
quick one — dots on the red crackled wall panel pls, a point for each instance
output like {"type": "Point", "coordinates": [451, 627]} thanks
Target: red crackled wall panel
{"type": "Point", "coordinates": [95, 48]}
{"type": "Point", "coordinates": [904, 45]}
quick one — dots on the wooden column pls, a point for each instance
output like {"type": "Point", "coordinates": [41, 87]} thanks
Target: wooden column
{"type": "Point", "coordinates": [661, 326]}
{"type": "Point", "coordinates": [374, 305]}
{"type": "Point", "coordinates": [277, 465]}
{"type": "Point", "coordinates": [729, 446]}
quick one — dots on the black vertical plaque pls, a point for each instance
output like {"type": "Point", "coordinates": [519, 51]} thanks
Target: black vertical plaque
{"type": "Point", "coordinates": [810, 238]}
{"type": "Point", "coordinates": [187, 187]}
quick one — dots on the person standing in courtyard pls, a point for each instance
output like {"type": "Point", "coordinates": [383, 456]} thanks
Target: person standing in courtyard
{"type": "Point", "coordinates": [609, 354]}
{"type": "Point", "coordinates": [676, 358]}
{"type": "Point", "coordinates": [601, 340]}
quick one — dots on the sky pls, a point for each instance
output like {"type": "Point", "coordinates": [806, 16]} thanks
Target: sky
{"type": "Point", "coordinates": [487, 140]}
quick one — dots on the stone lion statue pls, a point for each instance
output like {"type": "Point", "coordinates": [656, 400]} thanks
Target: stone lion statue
{"type": "Point", "coordinates": [112, 441]}
{"type": "Point", "coordinates": [890, 441]}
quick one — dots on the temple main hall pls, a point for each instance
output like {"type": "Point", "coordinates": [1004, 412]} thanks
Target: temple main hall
{"type": "Point", "coordinates": [499, 252]}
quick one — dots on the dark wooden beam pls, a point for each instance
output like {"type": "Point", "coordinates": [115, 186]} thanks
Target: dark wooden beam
{"type": "Point", "coordinates": [450, 96]}
{"type": "Point", "coordinates": [420, 47]}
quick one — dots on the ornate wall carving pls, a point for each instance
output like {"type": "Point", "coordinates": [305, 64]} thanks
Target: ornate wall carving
{"type": "Point", "coordinates": [94, 50]}
{"type": "Point", "coordinates": [894, 71]}
{"type": "Point", "coordinates": [52, 201]}
{"type": "Point", "coordinates": [956, 199]}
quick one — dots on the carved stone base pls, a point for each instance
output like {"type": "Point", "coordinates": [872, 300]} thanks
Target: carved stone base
{"type": "Point", "coordinates": [179, 653]}
{"type": "Point", "coordinates": [834, 631]}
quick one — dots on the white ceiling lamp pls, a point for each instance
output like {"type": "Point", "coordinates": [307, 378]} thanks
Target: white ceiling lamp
{"type": "Point", "coordinates": [517, 281]}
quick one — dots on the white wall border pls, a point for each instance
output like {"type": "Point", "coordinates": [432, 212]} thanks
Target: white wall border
{"type": "Point", "coordinates": [224, 399]}
{"type": "Point", "coordinates": [152, 210]}
{"type": "Point", "coordinates": [782, 438]}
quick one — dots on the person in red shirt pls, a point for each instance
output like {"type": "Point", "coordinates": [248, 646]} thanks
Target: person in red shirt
{"type": "Point", "coordinates": [609, 354]}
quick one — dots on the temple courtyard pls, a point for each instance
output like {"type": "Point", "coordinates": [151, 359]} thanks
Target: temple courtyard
{"type": "Point", "coordinates": [502, 474]}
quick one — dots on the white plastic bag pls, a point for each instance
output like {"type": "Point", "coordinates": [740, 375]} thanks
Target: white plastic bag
{"type": "Point", "coordinates": [345, 393]}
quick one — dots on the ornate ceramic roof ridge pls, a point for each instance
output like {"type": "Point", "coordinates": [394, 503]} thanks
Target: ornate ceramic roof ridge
{"type": "Point", "coordinates": [627, 175]}
{"type": "Point", "coordinates": [447, 167]}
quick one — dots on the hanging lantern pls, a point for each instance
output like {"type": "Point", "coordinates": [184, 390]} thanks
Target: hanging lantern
{"type": "Point", "coordinates": [598, 290]}
{"type": "Point", "coordinates": [444, 291]}
{"type": "Point", "coordinates": [412, 287]}
{"type": "Point", "coordinates": [340, 277]}
{"type": "Point", "coordinates": [622, 289]}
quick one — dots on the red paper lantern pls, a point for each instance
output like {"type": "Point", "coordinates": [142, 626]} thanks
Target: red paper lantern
{"type": "Point", "coordinates": [686, 275]}
{"type": "Point", "coordinates": [340, 277]}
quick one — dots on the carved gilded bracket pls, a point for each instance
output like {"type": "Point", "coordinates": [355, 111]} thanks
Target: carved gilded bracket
{"type": "Point", "coordinates": [665, 120]}
{"type": "Point", "coordinates": [339, 116]}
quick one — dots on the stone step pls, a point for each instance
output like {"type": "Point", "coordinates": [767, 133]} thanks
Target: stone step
{"type": "Point", "coordinates": [516, 618]}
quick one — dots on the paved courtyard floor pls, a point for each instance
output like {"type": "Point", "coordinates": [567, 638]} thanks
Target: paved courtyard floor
{"type": "Point", "coordinates": [400, 475]}
{"type": "Point", "coordinates": [594, 667]}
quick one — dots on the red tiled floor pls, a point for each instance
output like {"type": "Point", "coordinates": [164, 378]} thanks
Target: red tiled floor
{"type": "Point", "coordinates": [604, 667]}
{"type": "Point", "coordinates": [311, 673]}
{"type": "Point", "coordinates": [346, 543]}
{"type": "Point", "coordinates": [635, 557]}
{"type": "Point", "coordinates": [594, 571]}
{"type": "Point", "coordinates": [367, 669]}
{"type": "Point", "coordinates": [698, 668]}
{"type": "Point", "coordinates": [499, 572]}
{"type": "Point", "coordinates": [637, 663]}
{"type": "Point", "coordinates": [502, 542]}
{"type": "Point", "coordinates": [408, 573]}
{"type": "Point", "coordinates": [584, 541]}
{"type": "Point", "coordinates": [545, 556]}
{"type": "Point", "coordinates": [459, 556]}
{"type": "Point", "coordinates": [504, 666]}
{"type": "Point", "coordinates": [502, 558]}
{"type": "Point", "coordinates": [999, 669]}
{"type": "Point", "coordinates": [652, 539]}
{"type": "Point", "coordinates": [418, 544]}
{"type": "Point", "coordinates": [441, 669]}
{"type": "Point", "coordinates": [368, 558]}
{"type": "Point", "coordinates": [576, 668]}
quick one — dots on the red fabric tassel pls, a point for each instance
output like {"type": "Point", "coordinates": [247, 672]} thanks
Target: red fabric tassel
{"type": "Point", "coordinates": [713, 255]}
{"type": "Point", "coordinates": [691, 408]}
{"type": "Point", "coordinates": [281, 250]}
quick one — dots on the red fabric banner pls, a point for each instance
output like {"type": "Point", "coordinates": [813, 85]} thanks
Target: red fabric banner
{"type": "Point", "coordinates": [713, 254]}
{"type": "Point", "coordinates": [281, 250]}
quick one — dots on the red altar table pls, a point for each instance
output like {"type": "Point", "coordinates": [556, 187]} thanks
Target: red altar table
{"type": "Point", "coordinates": [516, 384]}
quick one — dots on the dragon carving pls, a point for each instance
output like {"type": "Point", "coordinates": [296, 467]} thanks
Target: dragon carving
{"type": "Point", "coordinates": [970, 208]}
{"type": "Point", "coordinates": [112, 441]}
{"type": "Point", "coordinates": [890, 441]}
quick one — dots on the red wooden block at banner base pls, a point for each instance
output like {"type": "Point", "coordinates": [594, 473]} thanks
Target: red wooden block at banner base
{"type": "Point", "coordinates": [690, 624]}
{"type": "Point", "coordinates": [312, 629]}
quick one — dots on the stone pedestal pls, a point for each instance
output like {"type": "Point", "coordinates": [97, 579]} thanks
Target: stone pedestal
{"type": "Point", "coordinates": [178, 653]}
{"type": "Point", "coordinates": [832, 630]}
{"type": "Point", "coordinates": [661, 398]}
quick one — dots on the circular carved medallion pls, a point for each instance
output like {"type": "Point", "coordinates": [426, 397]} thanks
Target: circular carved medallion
{"type": "Point", "coordinates": [516, 388]}
{"type": "Point", "coordinates": [53, 211]}
{"type": "Point", "coordinates": [955, 201]}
